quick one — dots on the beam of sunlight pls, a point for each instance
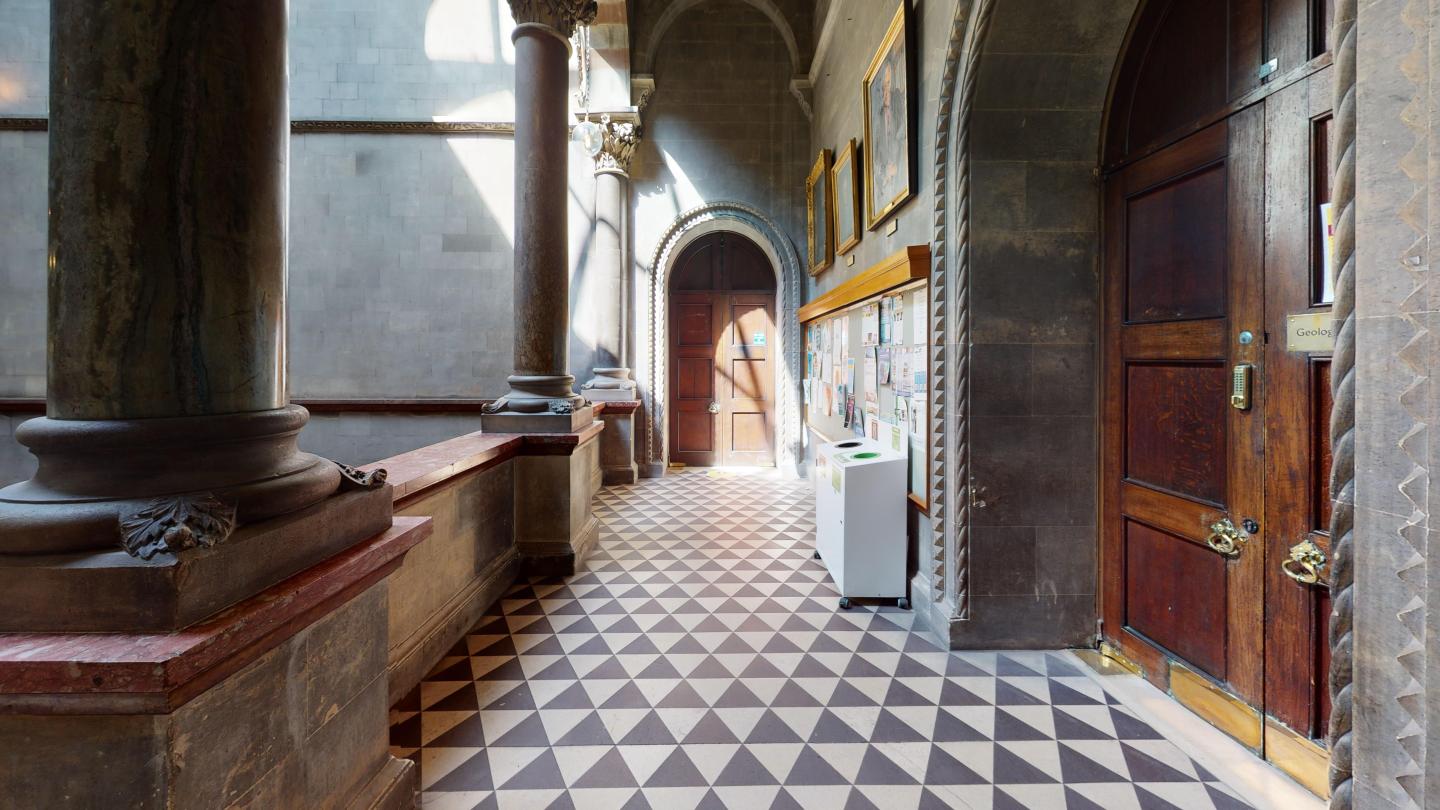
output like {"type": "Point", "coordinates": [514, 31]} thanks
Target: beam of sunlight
{"type": "Point", "coordinates": [479, 157]}
{"type": "Point", "coordinates": [469, 31]}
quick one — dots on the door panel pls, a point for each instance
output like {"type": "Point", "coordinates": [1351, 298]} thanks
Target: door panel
{"type": "Point", "coordinates": [722, 337]}
{"type": "Point", "coordinates": [1298, 393]}
{"type": "Point", "coordinates": [1178, 456]}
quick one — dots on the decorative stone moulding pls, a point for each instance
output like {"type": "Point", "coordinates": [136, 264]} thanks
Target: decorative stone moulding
{"type": "Point", "coordinates": [106, 484]}
{"type": "Point", "coordinates": [790, 273]}
{"type": "Point", "coordinates": [562, 15]}
{"type": "Point", "coordinates": [618, 149]}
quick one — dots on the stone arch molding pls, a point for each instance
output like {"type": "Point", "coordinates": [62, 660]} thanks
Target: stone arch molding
{"type": "Point", "coordinates": [746, 221]}
{"type": "Point", "coordinates": [645, 63]}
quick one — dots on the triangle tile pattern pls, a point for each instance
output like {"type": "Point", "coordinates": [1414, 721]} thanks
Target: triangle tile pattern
{"type": "Point", "coordinates": [700, 660]}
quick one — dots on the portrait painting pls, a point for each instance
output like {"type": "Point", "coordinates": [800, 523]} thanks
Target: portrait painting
{"type": "Point", "coordinates": [888, 89]}
{"type": "Point", "coordinates": [845, 180]}
{"type": "Point", "coordinates": [819, 215]}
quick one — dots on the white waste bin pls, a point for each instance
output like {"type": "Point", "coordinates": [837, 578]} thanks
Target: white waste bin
{"type": "Point", "coordinates": [860, 502]}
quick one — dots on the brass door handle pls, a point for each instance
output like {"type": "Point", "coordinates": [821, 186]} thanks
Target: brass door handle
{"type": "Point", "coordinates": [1225, 538]}
{"type": "Point", "coordinates": [1306, 563]}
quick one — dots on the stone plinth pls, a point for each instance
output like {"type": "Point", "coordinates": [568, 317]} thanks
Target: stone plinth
{"type": "Point", "coordinates": [116, 591]}
{"type": "Point", "coordinates": [281, 701]}
{"type": "Point", "coordinates": [554, 483]}
{"type": "Point", "coordinates": [617, 443]}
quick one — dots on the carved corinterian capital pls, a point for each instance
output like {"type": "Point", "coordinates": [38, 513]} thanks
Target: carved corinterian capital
{"type": "Point", "coordinates": [618, 148]}
{"type": "Point", "coordinates": [562, 15]}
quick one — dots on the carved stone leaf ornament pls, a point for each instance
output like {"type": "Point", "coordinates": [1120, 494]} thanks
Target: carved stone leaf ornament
{"type": "Point", "coordinates": [172, 525]}
{"type": "Point", "coordinates": [352, 478]}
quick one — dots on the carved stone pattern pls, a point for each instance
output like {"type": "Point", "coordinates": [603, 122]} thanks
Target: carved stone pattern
{"type": "Point", "coordinates": [618, 149]}
{"type": "Point", "coordinates": [642, 88]}
{"type": "Point", "coordinates": [171, 525]}
{"type": "Point", "coordinates": [9, 124]}
{"type": "Point", "coordinates": [352, 478]}
{"type": "Point", "coordinates": [562, 15]}
{"type": "Point", "coordinates": [950, 313]}
{"type": "Point", "coordinates": [317, 126]}
{"type": "Point", "coordinates": [1342, 420]}
{"type": "Point", "coordinates": [789, 290]}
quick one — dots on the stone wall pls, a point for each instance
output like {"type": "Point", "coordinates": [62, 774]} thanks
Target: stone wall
{"type": "Point", "coordinates": [401, 245]}
{"type": "Point", "coordinates": [1397, 312]}
{"type": "Point", "coordinates": [1035, 293]}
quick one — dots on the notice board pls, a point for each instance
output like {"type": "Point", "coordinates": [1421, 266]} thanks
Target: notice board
{"type": "Point", "coordinates": [867, 362]}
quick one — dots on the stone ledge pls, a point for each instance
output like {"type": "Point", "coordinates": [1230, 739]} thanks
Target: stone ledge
{"type": "Point", "coordinates": [411, 474]}
{"type": "Point", "coordinates": [617, 406]}
{"type": "Point", "coordinates": [156, 673]}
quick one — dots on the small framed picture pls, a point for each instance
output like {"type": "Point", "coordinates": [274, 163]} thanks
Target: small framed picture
{"type": "Point", "coordinates": [845, 179]}
{"type": "Point", "coordinates": [819, 215]}
{"type": "Point", "coordinates": [888, 92]}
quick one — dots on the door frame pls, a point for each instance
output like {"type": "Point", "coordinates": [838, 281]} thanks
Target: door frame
{"type": "Point", "coordinates": [653, 308]}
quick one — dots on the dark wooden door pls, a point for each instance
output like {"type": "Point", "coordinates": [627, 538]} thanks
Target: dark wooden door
{"type": "Point", "coordinates": [722, 345]}
{"type": "Point", "coordinates": [1297, 382]}
{"type": "Point", "coordinates": [1183, 462]}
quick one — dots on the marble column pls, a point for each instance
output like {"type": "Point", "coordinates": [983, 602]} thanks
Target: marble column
{"type": "Point", "coordinates": [168, 420]}
{"type": "Point", "coordinates": [611, 376]}
{"type": "Point", "coordinates": [541, 397]}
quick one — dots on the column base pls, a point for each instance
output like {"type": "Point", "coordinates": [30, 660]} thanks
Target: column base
{"type": "Point", "coordinates": [110, 591]}
{"type": "Point", "coordinates": [555, 527]}
{"type": "Point", "coordinates": [155, 486]}
{"type": "Point", "coordinates": [611, 385]}
{"type": "Point", "coordinates": [571, 421]}
{"type": "Point", "coordinates": [617, 443]}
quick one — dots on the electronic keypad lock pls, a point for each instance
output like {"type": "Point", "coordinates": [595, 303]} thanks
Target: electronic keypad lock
{"type": "Point", "coordinates": [1240, 386]}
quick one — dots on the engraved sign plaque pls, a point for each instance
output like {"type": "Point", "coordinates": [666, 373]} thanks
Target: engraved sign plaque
{"type": "Point", "coordinates": [1310, 332]}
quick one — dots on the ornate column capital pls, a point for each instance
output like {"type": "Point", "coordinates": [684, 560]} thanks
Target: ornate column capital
{"type": "Point", "coordinates": [562, 15]}
{"type": "Point", "coordinates": [618, 148]}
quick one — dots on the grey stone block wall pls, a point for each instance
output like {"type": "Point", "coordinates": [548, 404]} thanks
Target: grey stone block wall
{"type": "Point", "coordinates": [1035, 291]}
{"type": "Point", "coordinates": [401, 246]}
{"type": "Point", "coordinates": [362, 438]}
{"type": "Point", "coordinates": [722, 124]}
{"type": "Point", "coordinates": [24, 58]}
{"type": "Point", "coordinates": [401, 59]}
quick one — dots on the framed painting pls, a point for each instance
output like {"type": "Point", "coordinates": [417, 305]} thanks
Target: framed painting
{"type": "Point", "coordinates": [819, 215]}
{"type": "Point", "coordinates": [845, 179]}
{"type": "Point", "coordinates": [888, 90]}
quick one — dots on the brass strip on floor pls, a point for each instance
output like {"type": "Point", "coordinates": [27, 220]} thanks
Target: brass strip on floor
{"type": "Point", "coordinates": [1220, 708]}
{"type": "Point", "coordinates": [1299, 757]}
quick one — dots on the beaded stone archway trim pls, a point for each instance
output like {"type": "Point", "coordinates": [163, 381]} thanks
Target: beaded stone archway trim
{"type": "Point", "coordinates": [950, 313]}
{"type": "Point", "coordinates": [750, 223]}
{"type": "Point", "coordinates": [1342, 416]}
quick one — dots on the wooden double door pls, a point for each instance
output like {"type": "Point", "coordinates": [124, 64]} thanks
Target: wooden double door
{"type": "Point", "coordinates": [1216, 411]}
{"type": "Point", "coordinates": [723, 356]}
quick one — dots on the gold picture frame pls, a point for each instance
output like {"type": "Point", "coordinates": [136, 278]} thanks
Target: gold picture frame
{"type": "Point", "coordinates": [845, 188]}
{"type": "Point", "coordinates": [819, 216]}
{"type": "Point", "coordinates": [889, 98]}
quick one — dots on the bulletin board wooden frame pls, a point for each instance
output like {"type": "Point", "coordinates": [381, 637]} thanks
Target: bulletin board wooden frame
{"type": "Point", "coordinates": [896, 273]}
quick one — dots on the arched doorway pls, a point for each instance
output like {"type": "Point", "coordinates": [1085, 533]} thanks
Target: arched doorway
{"type": "Point", "coordinates": [1215, 397]}
{"type": "Point", "coordinates": [723, 354]}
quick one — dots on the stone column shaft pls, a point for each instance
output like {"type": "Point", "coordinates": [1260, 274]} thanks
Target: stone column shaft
{"type": "Point", "coordinates": [541, 396]}
{"type": "Point", "coordinates": [611, 375]}
{"type": "Point", "coordinates": [168, 421]}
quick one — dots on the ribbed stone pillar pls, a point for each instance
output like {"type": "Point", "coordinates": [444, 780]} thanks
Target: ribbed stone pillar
{"type": "Point", "coordinates": [541, 396]}
{"type": "Point", "coordinates": [611, 375]}
{"type": "Point", "coordinates": [169, 128]}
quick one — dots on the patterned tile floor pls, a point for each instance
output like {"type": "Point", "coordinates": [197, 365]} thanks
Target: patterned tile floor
{"type": "Point", "coordinates": [700, 660]}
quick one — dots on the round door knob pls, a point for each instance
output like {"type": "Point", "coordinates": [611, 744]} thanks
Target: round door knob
{"type": "Point", "coordinates": [714, 407]}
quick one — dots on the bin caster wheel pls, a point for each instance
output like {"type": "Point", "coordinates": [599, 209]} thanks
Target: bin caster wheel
{"type": "Point", "coordinates": [844, 603]}
{"type": "Point", "coordinates": [902, 603]}
{"type": "Point", "coordinates": [816, 555]}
